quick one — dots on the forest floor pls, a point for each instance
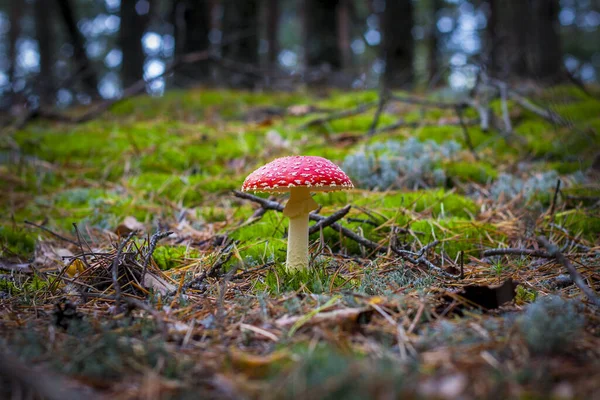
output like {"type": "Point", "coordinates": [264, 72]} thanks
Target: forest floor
{"type": "Point", "coordinates": [129, 267]}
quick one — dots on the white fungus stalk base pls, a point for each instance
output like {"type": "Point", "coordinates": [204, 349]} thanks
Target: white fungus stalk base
{"type": "Point", "coordinates": [297, 209]}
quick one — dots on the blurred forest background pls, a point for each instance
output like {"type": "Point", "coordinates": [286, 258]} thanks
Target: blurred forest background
{"type": "Point", "coordinates": [69, 52]}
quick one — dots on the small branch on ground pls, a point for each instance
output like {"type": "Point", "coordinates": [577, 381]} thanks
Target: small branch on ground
{"type": "Point", "coordinates": [383, 98]}
{"type": "Point", "coordinates": [115, 271]}
{"type": "Point", "coordinates": [458, 111]}
{"type": "Point", "coordinates": [153, 242]}
{"type": "Point", "coordinates": [340, 115]}
{"type": "Point", "coordinates": [575, 275]}
{"type": "Point", "coordinates": [427, 103]}
{"type": "Point", "coordinates": [516, 252]}
{"type": "Point", "coordinates": [554, 200]}
{"type": "Point", "coordinates": [56, 235]}
{"type": "Point", "coordinates": [336, 216]}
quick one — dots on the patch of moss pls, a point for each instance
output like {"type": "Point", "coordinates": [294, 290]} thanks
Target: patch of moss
{"type": "Point", "coordinates": [566, 167]}
{"type": "Point", "coordinates": [345, 100]}
{"type": "Point", "coordinates": [167, 257]}
{"type": "Point", "coordinates": [174, 187]}
{"type": "Point", "coordinates": [457, 235]}
{"type": "Point", "coordinates": [263, 240]}
{"type": "Point", "coordinates": [439, 202]}
{"type": "Point", "coordinates": [16, 241]}
{"type": "Point", "coordinates": [27, 287]}
{"type": "Point", "coordinates": [479, 172]}
{"type": "Point", "coordinates": [317, 278]}
{"type": "Point", "coordinates": [580, 111]}
{"type": "Point", "coordinates": [580, 221]}
{"type": "Point", "coordinates": [358, 123]}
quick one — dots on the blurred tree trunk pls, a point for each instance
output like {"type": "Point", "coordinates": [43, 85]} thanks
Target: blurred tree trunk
{"type": "Point", "coordinates": [240, 40]}
{"type": "Point", "coordinates": [546, 51]}
{"type": "Point", "coordinates": [433, 57]}
{"type": "Point", "coordinates": [13, 36]}
{"type": "Point", "coordinates": [523, 39]}
{"type": "Point", "coordinates": [133, 27]}
{"type": "Point", "coordinates": [344, 32]}
{"type": "Point", "coordinates": [192, 24]}
{"type": "Point", "coordinates": [398, 44]}
{"type": "Point", "coordinates": [44, 36]}
{"type": "Point", "coordinates": [508, 33]}
{"type": "Point", "coordinates": [84, 67]}
{"type": "Point", "coordinates": [272, 22]}
{"type": "Point", "coordinates": [320, 34]}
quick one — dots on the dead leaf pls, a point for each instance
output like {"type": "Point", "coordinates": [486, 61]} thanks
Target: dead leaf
{"type": "Point", "coordinates": [487, 297]}
{"type": "Point", "coordinates": [342, 317]}
{"type": "Point", "coordinates": [299, 110]}
{"type": "Point", "coordinates": [129, 225]}
{"type": "Point", "coordinates": [158, 284]}
{"type": "Point", "coordinates": [257, 366]}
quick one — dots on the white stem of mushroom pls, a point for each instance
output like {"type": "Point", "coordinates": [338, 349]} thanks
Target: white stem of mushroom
{"type": "Point", "coordinates": [297, 209]}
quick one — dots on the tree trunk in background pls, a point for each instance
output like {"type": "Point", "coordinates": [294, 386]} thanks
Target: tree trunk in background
{"type": "Point", "coordinates": [88, 75]}
{"type": "Point", "coordinates": [13, 36]}
{"type": "Point", "coordinates": [272, 22]}
{"type": "Point", "coordinates": [240, 39]}
{"type": "Point", "coordinates": [320, 34]}
{"type": "Point", "coordinates": [511, 24]}
{"type": "Point", "coordinates": [43, 32]}
{"type": "Point", "coordinates": [524, 40]}
{"type": "Point", "coordinates": [132, 30]}
{"type": "Point", "coordinates": [398, 44]}
{"type": "Point", "coordinates": [546, 54]}
{"type": "Point", "coordinates": [192, 24]}
{"type": "Point", "coordinates": [433, 56]}
{"type": "Point", "coordinates": [344, 33]}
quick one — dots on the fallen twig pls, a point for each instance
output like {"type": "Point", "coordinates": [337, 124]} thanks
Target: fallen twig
{"type": "Point", "coordinates": [516, 252]}
{"type": "Point", "coordinates": [427, 103]}
{"type": "Point", "coordinates": [336, 216]}
{"type": "Point", "coordinates": [361, 108]}
{"type": "Point", "coordinates": [383, 97]}
{"type": "Point", "coordinates": [575, 275]}
{"type": "Point", "coordinates": [458, 111]}
{"type": "Point", "coordinates": [56, 235]}
{"type": "Point", "coordinates": [153, 242]}
{"type": "Point", "coordinates": [115, 271]}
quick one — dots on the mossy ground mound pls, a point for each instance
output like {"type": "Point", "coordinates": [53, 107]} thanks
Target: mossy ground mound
{"type": "Point", "coordinates": [229, 318]}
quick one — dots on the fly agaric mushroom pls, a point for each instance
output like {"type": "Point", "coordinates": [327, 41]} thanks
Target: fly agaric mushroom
{"type": "Point", "coordinates": [298, 175]}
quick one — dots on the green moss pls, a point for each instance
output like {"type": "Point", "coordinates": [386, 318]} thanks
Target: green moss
{"type": "Point", "coordinates": [318, 278]}
{"type": "Point", "coordinates": [456, 235]}
{"type": "Point", "coordinates": [479, 172]}
{"type": "Point", "coordinates": [579, 111]}
{"type": "Point", "coordinates": [263, 241]}
{"type": "Point", "coordinates": [345, 100]}
{"type": "Point", "coordinates": [566, 167]}
{"type": "Point", "coordinates": [359, 123]}
{"type": "Point", "coordinates": [16, 241]}
{"type": "Point", "coordinates": [586, 223]}
{"type": "Point", "coordinates": [26, 287]}
{"type": "Point", "coordinates": [167, 257]}
{"type": "Point", "coordinates": [174, 187]}
{"type": "Point", "coordinates": [438, 202]}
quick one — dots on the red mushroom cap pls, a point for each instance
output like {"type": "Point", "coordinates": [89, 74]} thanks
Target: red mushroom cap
{"type": "Point", "coordinates": [284, 173]}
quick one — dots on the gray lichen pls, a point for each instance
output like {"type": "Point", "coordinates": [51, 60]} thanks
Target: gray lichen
{"type": "Point", "coordinates": [394, 164]}
{"type": "Point", "coordinates": [550, 323]}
